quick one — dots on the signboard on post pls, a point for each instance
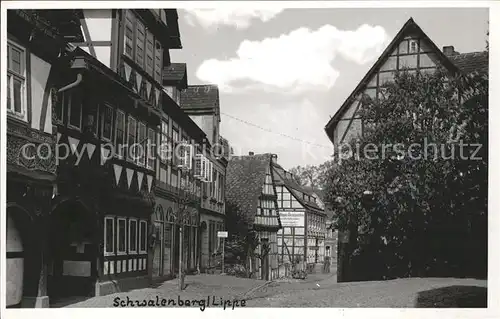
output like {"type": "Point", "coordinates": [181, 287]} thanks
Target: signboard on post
{"type": "Point", "coordinates": [222, 234]}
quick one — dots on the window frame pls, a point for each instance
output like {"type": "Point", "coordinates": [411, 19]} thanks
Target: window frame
{"type": "Point", "coordinates": [118, 251]}
{"type": "Point", "coordinates": [142, 127]}
{"type": "Point", "coordinates": [149, 46]}
{"type": "Point", "coordinates": [11, 75]}
{"type": "Point", "coordinates": [141, 251]}
{"type": "Point", "coordinates": [130, 118]}
{"type": "Point", "coordinates": [129, 15]}
{"type": "Point", "coordinates": [71, 96]}
{"type": "Point", "coordinates": [158, 54]}
{"type": "Point", "coordinates": [138, 25]}
{"type": "Point", "coordinates": [150, 156]}
{"type": "Point", "coordinates": [119, 148]}
{"type": "Point", "coordinates": [103, 122]}
{"type": "Point", "coordinates": [113, 251]}
{"type": "Point", "coordinates": [130, 221]}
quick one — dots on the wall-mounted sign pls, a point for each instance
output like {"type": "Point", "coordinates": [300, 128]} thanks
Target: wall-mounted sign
{"type": "Point", "coordinates": [292, 219]}
{"type": "Point", "coordinates": [222, 234]}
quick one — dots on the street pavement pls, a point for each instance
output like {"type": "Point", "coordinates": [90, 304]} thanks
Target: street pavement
{"type": "Point", "coordinates": [197, 287]}
{"type": "Point", "coordinates": [317, 290]}
{"type": "Point", "coordinates": [399, 293]}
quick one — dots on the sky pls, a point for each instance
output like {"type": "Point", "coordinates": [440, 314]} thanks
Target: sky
{"type": "Point", "coordinates": [283, 73]}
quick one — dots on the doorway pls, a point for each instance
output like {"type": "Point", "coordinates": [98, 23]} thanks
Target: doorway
{"type": "Point", "coordinates": [158, 250]}
{"type": "Point", "coordinates": [265, 259]}
{"type": "Point", "coordinates": [73, 252]}
{"type": "Point", "coordinates": [15, 262]}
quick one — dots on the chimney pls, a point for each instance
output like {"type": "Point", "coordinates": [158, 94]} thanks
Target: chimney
{"type": "Point", "coordinates": [274, 158]}
{"type": "Point", "coordinates": [251, 153]}
{"type": "Point", "coordinates": [449, 50]}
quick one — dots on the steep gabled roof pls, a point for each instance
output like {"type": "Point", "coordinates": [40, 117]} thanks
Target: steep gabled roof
{"type": "Point", "coordinates": [409, 27]}
{"type": "Point", "coordinates": [282, 178]}
{"type": "Point", "coordinates": [201, 98]}
{"type": "Point", "coordinates": [471, 62]}
{"type": "Point", "coordinates": [175, 74]}
{"type": "Point", "coordinates": [245, 176]}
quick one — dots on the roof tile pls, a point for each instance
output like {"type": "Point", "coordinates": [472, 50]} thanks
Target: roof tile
{"type": "Point", "coordinates": [200, 97]}
{"type": "Point", "coordinates": [245, 176]}
{"type": "Point", "coordinates": [471, 62]}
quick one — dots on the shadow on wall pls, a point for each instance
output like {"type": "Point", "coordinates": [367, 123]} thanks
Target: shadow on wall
{"type": "Point", "coordinates": [453, 297]}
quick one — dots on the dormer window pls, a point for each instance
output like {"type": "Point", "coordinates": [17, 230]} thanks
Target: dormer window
{"type": "Point", "coordinates": [413, 46]}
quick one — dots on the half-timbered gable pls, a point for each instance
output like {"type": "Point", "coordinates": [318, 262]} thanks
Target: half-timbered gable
{"type": "Point", "coordinates": [411, 50]}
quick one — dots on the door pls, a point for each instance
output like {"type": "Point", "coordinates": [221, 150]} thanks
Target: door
{"type": "Point", "coordinates": [158, 251]}
{"type": "Point", "coordinates": [265, 260]}
{"type": "Point", "coordinates": [15, 264]}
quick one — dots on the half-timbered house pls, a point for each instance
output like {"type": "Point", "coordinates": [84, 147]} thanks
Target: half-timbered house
{"type": "Point", "coordinates": [109, 117]}
{"type": "Point", "coordinates": [412, 50]}
{"type": "Point", "coordinates": [201, 103]}
{"type": "Point", "coordinates": [99, 101]}
{"type": "Point", "coordinates": [301, 241]}
{"type": "Point", "coordinates": [251, 193]}
{"type": "Point", "coordinates": [34, 76]}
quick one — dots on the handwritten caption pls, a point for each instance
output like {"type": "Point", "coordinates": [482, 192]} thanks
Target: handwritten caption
{"type": "Point", "coordinates": [209, 301]}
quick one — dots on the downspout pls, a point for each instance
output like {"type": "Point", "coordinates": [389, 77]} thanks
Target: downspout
{"type": "Point", "coordinates": [79, 78]}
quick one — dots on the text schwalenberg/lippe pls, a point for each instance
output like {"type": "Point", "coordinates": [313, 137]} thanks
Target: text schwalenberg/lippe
{"type": "Point", "coordinates": [210, 301]}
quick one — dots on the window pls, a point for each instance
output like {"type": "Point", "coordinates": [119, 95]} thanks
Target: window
{"type": "Point", "coordinates": [74, 101]}
{"type": "Point", "coordinates": [173, 178]}
{"type": "Point", "coordinates": [142, 141]}
{"type": "Point", "coordinates": [143, 236]}
{"type": "Point", "coordinates": [120, 133]}
{"type": "Point", "coordinates": [129, 34]}
{"type": "Point", "coordinates": [121, 236]}
{"type": "Point", "coordinates": [132, 236]}
{"type": "Point", "coordinates": [140, 41]}
{"type": "Point", "coordinates": [413, 46]}
{"type": "Point", "coordinates": [59, 108]}
{"type": "Point", "coordinates": [165, 145]}
{"type": "Point", "coordinates": [151, 149]}
{"type": "Point", "coordinates": [107, 121]}
{"type": "Point", "coordinates": [16, 76]}
{"type": "Point", "coordinates": [131, 138]}
{"type": "Point", "coordinates": [150, 46]}
{"type": "Point", "coordinates": [109, 235]}
{"type": "Point", "coordinates": [158, 61]}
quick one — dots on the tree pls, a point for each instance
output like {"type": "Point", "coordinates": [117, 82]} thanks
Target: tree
{"type": "Point", "coordinates": [185, 207]}
{"type": "Point", "coordinates": [311, 175]}
{"type": "Point", "coordinates": [426, 214]}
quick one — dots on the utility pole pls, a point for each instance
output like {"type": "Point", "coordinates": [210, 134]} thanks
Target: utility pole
{"type": "Point", "coordinates": [181, 279]}
{"type": "Point", "coordinates": [223, 241]}
{"type": "Point", "coordinates": [223, 235]}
